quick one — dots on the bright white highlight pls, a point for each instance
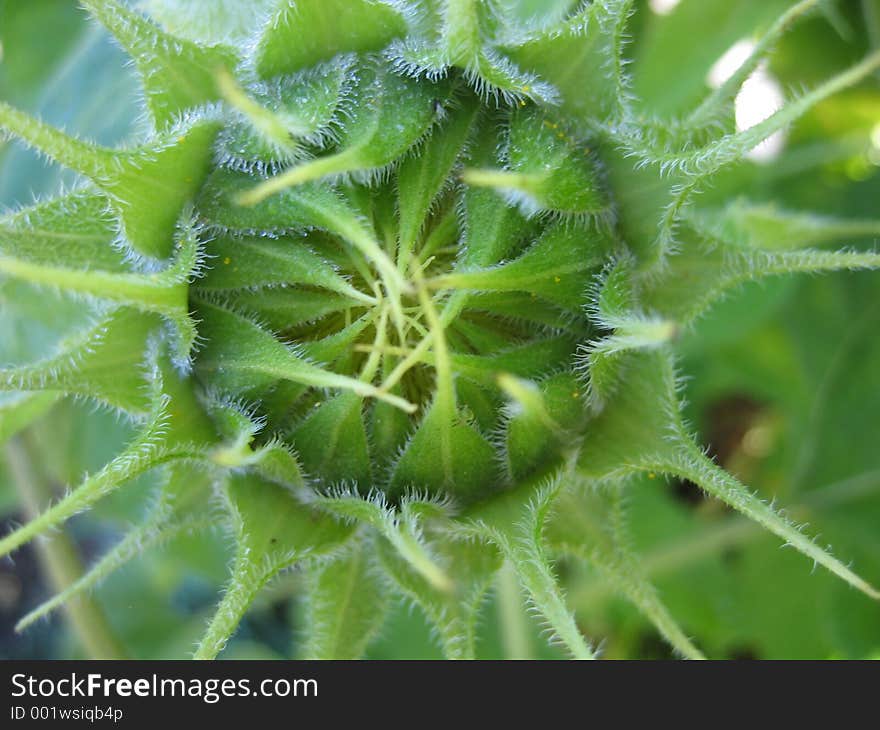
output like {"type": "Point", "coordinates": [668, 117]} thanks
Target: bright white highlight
{"type": "Point", "coordinates": [874, 153]}
{"type": "Point", "coordinates": [875, 136]}
{"type": "Point", "coordinates": [663, 7]}
{"type": "Point", "coordinates": [730, 61]}
{"type": "Point", "coordinates": [760, 97]}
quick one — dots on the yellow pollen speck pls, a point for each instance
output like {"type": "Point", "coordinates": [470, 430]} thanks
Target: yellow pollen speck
{"type": "Point", "coordinates": [575, 395]}
{"type": "Point", "coordinates": [227, 261]}
{"type": "Point", "coordinates": [181, 140]}
{"type": "Point", "coordinates": [556, 279]}
{"type": "Point", "coordinates": [526, 89]}
{"type": "Point", "coordinates": [652, 475]}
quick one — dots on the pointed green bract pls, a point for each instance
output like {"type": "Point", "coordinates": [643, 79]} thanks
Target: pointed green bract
{"type": "Point", "coordinates": [605, 546]}
{"type": "Point", "coordinates": [643, 432]}
{"type": "Point", "coordinates": [422, 177]}
{"type": "Point", "coordinates": [306, 32]}
{"type": "Point", "coordinates": [453, 614]}
{"type": "Point", "coordinates": [446, 454]}
{"type": "Point", "coordinates": [556, 267]}
{"type": "Point", "coordinates": [148, 187]}
{"type": "Point", "coordinates": [303, 206]}
{"type": "Point", "coordinates": [241, 263]}
{"type": "Point", "coordinates": [106, 362]}
{"type": "Point", "coordinates": [74, 229]}
{"type": "Point", "coordinates": [177, 74]}
{"type": "Point", "coordinates": [332, 441]}
{"type": "Point", "coordinates": [746, 224]}
{"type": "Point", "coordinates": [392, 289]}
{"type": "Point", "coordinates": [517, 530]}
{"type": "Point", "coordinates": [548, 170]}
{"type": "Point", "coordinates": [698, 277]}
{"type": "Point", "coordinates": [146, 452]}
{"type": "Point", "coordinates": [242, 356]}
{"type": "Point", "coordinates": [536, 434]}
{"type": "Point", "coordinates": [282, 115]}
{"type": "Point", "coordinates": [148, 535]}
{"type": "Point", "coordinates": [345, 607]}
{"type": "Point", "coordinates": [387, 114]}
{"type": "Point", "coordinates": [567, 54]}
{"type": "Point", "coordinates": [272, 532]}
{"type": "Point", "coordinates": [163, 293]}
{"type": "Point", "coordinates": [283, 307]}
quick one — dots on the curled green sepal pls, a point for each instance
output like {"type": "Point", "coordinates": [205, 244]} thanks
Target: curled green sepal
{"type": "Point", "coordinates": [272, 530]}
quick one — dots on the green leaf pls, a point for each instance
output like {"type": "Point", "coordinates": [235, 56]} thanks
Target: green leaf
{"type": "Point", "coordinates": [241, 356]}
{"type": "Point", "coordinates": [272, 532]}
{"type": "Point", "coordinates": [388, 114]}
{"type": "Point", "coordinates": [539, 426]}
{"type": "Point", "coordinates": [332, 441]}
{"type": "Point", "coordinates": [273, 460]}
{"type": "Point", "coordinates": [160, 526]}
{"type": "Point", "coordinates": [176, 73]}
{"type": "Point", "coordinates": [647, 202]}
{"type": "Point", "coordinates": [492, 229]}
{"type": "Point", "coordinates": [284, 307]}
{"type": "Point", "coordinates": [465, 39]}
{"type": "Point", "coordinates": [454, 614]}
{"type": "Point", "coordinates": [515, 524]}
{"type": "Point", "coordinates": [423, 176]}
{"type": "Point", "coordinates": [244, 262]}
{"type": "Point", "coordinates": [557, 267]}
{"type": "Point", "coordinates": [731, 148]}
{"type": "Point", "coordinates": [281, 115]}
{"type": "Point", "coordinates": [446, 454]}
{"type": "Point", "coordinates": [745, 224]}
{"type": "Point", "coordinates": [643, 432]}
{"type": "Point", "coordinates": [529, 360]}
{"type": "Point", "coordinates": [106, 362]}
{"type": "Point", "coordinates": [720, 101]}
{"type": "Point", "coordinates": [210, 22]}
{"type": "Point", "coordinates": [402, 528]}
{"type": "Point", "coordinates": [146, 452]}
{"type": "Point", "coordinates": [548, 170]}
{"type": "Point", "coordinates": [588, 45]}
{"type": "Point", "coordinates": [700, 276]}
{"type": "Point", "coordinates": [72, 229]}
{"type": "Point", "coordinates": [148, 187]}
{"type": "Point", "coordinates": [590, 525]}
{"type": "Point", "coordinates": [614, 307]}
{"type": "Point", "coordinates": [305, 206]}
{"type": "Point", "coordinates": [164, 293]}
{"type": "Point", "coordinates": [19, 410]}
{"type": "Point", "coordinates": [346, 603]}
{"type": "Point", "coordinates": [306, 32]}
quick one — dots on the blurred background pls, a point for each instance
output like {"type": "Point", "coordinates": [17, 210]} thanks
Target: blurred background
{"type": "Point", "coordinates": [784, 378]}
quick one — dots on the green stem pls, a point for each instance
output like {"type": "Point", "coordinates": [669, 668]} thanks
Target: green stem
{"type": "Point", "coordinates": [245, 584]}
{"type": "Point", "coordinates": [512, 619]}
{"type": "Point", "coordinates": [727, 91]}
{"type": "Point", "coordinates": [681, 554]}
{"type": "Point", "coordinates": [59, 559]}
{"type": "Point", "coordinates": [692, 464]}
